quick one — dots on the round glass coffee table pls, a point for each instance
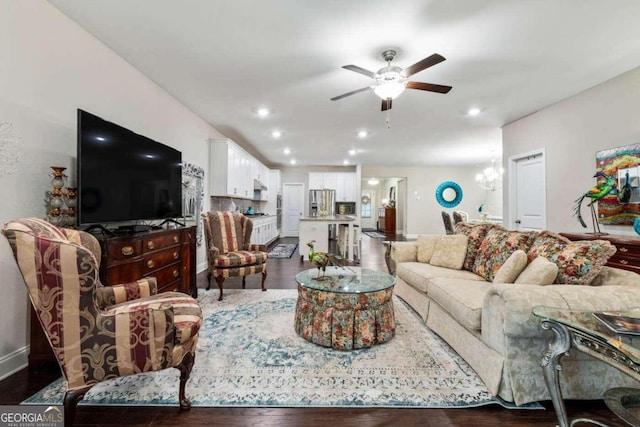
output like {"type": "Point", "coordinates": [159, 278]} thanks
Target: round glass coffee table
{"type": "Point", "coordinates": [348, 309]}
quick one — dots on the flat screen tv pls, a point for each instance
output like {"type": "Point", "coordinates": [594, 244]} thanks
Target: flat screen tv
{"type": "Point", "coordinates": [123, 176]}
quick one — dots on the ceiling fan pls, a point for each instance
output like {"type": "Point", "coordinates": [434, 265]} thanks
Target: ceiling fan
{"type": "Point", "coordinates": [391, 81]}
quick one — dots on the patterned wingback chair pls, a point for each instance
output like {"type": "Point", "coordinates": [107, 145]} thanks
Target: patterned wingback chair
{"type": "Point", "coordinates": [229, 252]}
{"type": "Point", "coordinates": [98, 333]}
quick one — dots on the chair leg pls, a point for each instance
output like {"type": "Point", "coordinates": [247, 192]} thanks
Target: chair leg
{"type": "Point", "coordinates": [208, 280]}
{"type": "Point", "coordinates": [220, 281]}
{"type": "Point", "coordinates": [264, 277]}
{"type": "Point", "coordinates": [244, 282]}
{"type": "Point", "coordinates": [185, 370]}
{"type": "Point", "coordinates": [71, 399]}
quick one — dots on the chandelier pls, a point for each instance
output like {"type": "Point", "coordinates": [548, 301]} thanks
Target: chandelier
{"type": "Point", "coordinates": [491, 177]}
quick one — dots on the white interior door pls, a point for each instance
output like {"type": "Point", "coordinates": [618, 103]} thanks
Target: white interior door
{"type": "Point", "coordinates": [527, 194]}
{"type": "Point", "coordinates": [292, 208]}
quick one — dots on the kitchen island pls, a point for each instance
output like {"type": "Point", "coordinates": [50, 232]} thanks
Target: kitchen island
{"type": "Point", "coordinates": [317, 228]}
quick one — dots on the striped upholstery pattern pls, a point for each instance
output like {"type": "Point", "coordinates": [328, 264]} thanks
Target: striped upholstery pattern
{"type": "Point", "coordinates": [229, 251]}
{"type": "Point", "coordinates": [93, 339]}
{"type": "Point", "coordinates": [240, 258]}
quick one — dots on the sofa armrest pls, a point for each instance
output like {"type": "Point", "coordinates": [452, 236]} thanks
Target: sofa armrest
{"type": "Point", "coordinates": [507, 308]}
{"type": "Point", "coordinates": [404, 252]}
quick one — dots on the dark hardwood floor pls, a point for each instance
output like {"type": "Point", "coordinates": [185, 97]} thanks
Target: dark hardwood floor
{"type": "Point", "coordinates": [21, 385]}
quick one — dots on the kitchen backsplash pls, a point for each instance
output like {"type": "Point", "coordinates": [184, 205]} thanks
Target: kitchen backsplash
{"type": "Point", "coordinates": [223, 204]}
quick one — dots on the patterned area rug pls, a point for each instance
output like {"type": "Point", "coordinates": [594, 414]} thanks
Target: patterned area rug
{"type": "Point", "coordinates": [249, 355]}
{"type": "Point", "coordinates": [283, 250]}
{"type": "Point", "coordinates": [375, 234]}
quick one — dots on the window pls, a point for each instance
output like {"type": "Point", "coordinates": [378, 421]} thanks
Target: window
{"type": "Point", "coordinates": [365, 206]}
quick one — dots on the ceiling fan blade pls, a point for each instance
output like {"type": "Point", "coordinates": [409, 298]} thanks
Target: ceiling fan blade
{"type": "Point", "coordinates": [429, 87]}
{"type": "Point", "coordinates": [386, 104]}
{"type": "Point", "coordinates": [353, 92]}
{"type": "Point", "coordinates": [360, 70]}
{"type": "Point", "coordinates": [424, 64]}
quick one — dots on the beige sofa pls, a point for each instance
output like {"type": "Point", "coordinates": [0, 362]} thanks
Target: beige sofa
{"type": "Point", "coordinates": [490, 324]}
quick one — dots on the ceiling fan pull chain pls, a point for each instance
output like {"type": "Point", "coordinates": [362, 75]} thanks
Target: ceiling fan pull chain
{"type": "Point", "coordinates": [388, 119]}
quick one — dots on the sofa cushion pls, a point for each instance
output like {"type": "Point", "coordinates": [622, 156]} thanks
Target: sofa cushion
{"type": "Point", "coordinates": [426, 245]}
{"type": "Point", "coordinates": [419, 274]}
{"type": "Point", "coordinates": [497, 247]}
{"type": "Point", "coordinates": [450, 251]}
{"type": "Point", "coordinates": [462, 299]}
{"type": "Point", "coordinates": [579, 262]}
{"type": "Point", "coordinates": [476, 234]}
{"type": "Point", "coordinates": [511, 268]}
{"type": "Point", "coordinates": [540, 271]}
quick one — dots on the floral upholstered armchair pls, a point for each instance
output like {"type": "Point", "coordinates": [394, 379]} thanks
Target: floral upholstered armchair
{"type": "Point", "coordinates": [98, 333]}
{"type": "Point", "coordinates": [229, 252]}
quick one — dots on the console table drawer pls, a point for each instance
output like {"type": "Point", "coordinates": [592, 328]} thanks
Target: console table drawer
{"type": "Point", "coordinates": [160, 241]}
{"type": "Point", "coordinates": [119, 273]}
{"type": "Point", "coordinates": [121, 249]}
{"type": "Point", "coordinates": [160, 259]}
{"type": "Point", "coordinates": [167, 275]}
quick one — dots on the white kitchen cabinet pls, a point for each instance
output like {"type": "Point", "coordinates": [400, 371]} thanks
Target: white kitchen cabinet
{"type": "Point", "coordinates": [265, 230]}
{"type": "Point", "coordinates": [343, 182]}
{"type": "Point", "coordinates": [346, 187]}
{"type": "Point", "coordinates": [226, 163]}
{"type": "Point", "coordinates": [233, 170]}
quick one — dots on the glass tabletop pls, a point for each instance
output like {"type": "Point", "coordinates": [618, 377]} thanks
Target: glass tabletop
{"type": "Point", "coordinates": [351, 280]}
{"type": "Point", "coordinates": [611, 327]}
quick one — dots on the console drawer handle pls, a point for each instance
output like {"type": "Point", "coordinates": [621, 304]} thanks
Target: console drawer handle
{"type": "Point", "coordinates": [127, 250]}
{"type": "Point", "coordinates": [623, 249]}
{"type": "Point", "coordinates": [624, 262]}
{"type": "Point", "coordinates": [176, 273]}
{"type": "Point", "coordinates": [176, 255]}
{"type": "Point", "coordinates": [150, 263]}
{"type": "Point", "coordinates": [175, 239]}
{"type": "Point", "coordinates": [150, 245]}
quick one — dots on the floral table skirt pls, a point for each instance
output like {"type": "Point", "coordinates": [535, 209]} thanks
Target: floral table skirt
{"type": "Point", "coordinates": [345, 321]}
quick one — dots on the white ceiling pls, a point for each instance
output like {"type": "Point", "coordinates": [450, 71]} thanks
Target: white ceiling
{"type": "Point", "coordinates": [225, 58]}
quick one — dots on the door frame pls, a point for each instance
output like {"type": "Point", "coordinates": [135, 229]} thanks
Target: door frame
{"type": "Point", "coordinates": [302, 207]}
{"type": "Point", "coordinates": [513, 160]}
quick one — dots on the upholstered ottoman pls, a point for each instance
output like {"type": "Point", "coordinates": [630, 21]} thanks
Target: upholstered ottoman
{"type": "Point", "coordinates": [350, 308]}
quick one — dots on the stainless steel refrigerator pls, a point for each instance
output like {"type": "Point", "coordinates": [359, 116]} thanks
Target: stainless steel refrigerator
{"type": "Point", "coordinates": [322, 203]}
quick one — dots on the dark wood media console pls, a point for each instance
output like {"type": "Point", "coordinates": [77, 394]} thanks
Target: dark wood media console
{"type": "Point", "coordinates": [167, 255]}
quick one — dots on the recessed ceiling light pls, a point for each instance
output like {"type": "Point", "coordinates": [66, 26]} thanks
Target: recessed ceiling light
{"type": "Point", "coordinates": [276, 134]}
{"type": "Point", "coordinates": [362, 134]}
{"type": "Point", "coordinates": [473, 111]}
{"type": "Point", "coordinates": [263, 112]}
{"type": "Point", "coordinates": [293, 161]}
{"type": "Point", "coordinates": [286, 151]}
{"type": "Point", "coordinates": [352, 152]}
{"type": "Point", "coordinates": [345, 162]}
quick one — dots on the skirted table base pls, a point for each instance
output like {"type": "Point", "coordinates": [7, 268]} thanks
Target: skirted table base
{"type": "Point", "coordinates": [345, 321]}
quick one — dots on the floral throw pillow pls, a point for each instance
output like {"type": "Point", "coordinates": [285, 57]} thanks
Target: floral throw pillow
{"type": "Point", "coordinates": [578, 262]}
{"type": "Point", "coordinates": [497, 247]}
{"type": "Point", "coordinates": [476, 234]}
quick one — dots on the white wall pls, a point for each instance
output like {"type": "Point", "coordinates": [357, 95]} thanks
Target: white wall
{"type": "Point", "coordinates": [423, 213]}
{"type": "Point", "coordinates": [49, 67]}
{"type": "Point", "coordinates": [571, 132]}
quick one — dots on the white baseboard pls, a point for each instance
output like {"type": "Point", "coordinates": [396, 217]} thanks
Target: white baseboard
{"type": "Point", "coordinates": [13, 362]}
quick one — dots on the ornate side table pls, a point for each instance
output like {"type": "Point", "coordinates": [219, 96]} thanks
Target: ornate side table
{"type": "Point", "coordinates": [589, 335]}
{"type": "Point", "coordinates": [350, 308]}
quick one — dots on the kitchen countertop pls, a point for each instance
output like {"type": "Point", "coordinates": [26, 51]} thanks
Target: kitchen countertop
{"type": "Point", "coordinates": [335, 218]}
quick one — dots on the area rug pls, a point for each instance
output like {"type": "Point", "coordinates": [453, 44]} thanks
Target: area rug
{"type": "Point", "coordinates": [375, 234]}
{"type": "Point", "coordinates": [249, 355]}
{"type": "Point", "coordinates": [283, 250]}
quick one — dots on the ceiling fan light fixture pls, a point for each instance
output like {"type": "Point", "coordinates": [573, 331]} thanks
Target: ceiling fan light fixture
{"type": "Point", "coordinates": [389, 90]}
